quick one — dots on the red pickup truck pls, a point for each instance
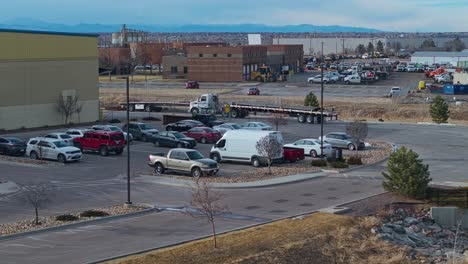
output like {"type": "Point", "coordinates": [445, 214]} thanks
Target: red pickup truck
{"type": "Point", "coordinates": [293, 154]}
{"type": "Point", "coordinates": [101, 141]}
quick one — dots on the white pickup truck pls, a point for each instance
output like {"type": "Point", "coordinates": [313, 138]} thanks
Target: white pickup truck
{"type": "Point", "coordinates": [352, 79]}
{"type": "Point", "coordinates": [183, 160]}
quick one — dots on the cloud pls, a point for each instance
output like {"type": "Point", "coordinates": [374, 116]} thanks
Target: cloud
{"type": "Point", "coordinates": [394, 15]}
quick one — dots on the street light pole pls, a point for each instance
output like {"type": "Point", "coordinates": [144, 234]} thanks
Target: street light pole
{"type": "Point", "coordinates": [128, 140]}
{"type": "Point", "coordinates": [321, 105]}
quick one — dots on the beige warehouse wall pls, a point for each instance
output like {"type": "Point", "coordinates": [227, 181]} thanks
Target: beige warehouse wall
{"type": "Point", "coordinates": [38, 115]}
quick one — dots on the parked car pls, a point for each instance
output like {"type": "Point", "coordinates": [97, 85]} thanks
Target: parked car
{"type": "Point", "coordinates": [352, 79]}
{"type": "Point", "coordinates": [311, 147]}
{"type": "Point", "coordinates": [226, 127]}
{"type": "Point", "coordinates": [140, 131]}
{"type": "Point", "coordinates": [192, 85]}
{"type": "Point", "coordinates": [113, 128]}
{"type": "Point", "coordinates": [101, 141]}
{"type": "Point", "coordinates": [291, 154]}
{"type": "Point", "coordinates": [410, 68]}
{"type": "Point", "coordinates": [61, 136]}
{"type": "Point", "coordinates": [12, 146]}
{"type": "Point", "coordinates": [401, 68]}
{"type": "Point", "coordinates": [420, 68]}
{"type": "Point", "coordinates": [203, 134]}
{"type": "Point", "coordinates": [173, 139]}
{"type": "Point", "coordinates": [255, 126]}
{"type": "Point", "coordinates": [208, 120]}
{"type": "Point", "coordinates": [394, 91]}
{"type": "Point", "coordinates": [333, 76]}
{"type": "Point", "coordinates": [77, 132]}
{"type": "Point", "coordinates": [253, 91]}
{"type": "Point", "coordinates": [240, 146]}
{"type": "Point", "coordinates": [318, 79]}
{"type": "Point", "coordinates": [183, 160]}
{"type": "Point", "coordinates": [342, 140]}
{"type": "Point", "coordinates": [184, 125]}
{"type": "Point", "coordinates": [52, 149]}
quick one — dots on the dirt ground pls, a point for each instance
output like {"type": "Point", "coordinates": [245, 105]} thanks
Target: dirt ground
{"type": "Point", "coordinates": [317, 238]}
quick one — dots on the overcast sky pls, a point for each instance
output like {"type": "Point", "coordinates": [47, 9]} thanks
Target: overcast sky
{"type": "Point", "coordinates": [389, 15]}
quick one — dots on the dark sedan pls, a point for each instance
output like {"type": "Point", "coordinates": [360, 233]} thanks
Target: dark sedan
{"type": "Point", "coordinates": [192, 85]}
{"type": "Point", "coordinates": [12, 146]}
{"type": "Point", "coordinates": [184, 125]}
{"type": "Point", "coordinates": [173, 139]}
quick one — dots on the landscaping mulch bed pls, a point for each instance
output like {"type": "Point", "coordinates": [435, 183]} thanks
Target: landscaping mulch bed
{"type": "Point", "coordinates": [50, 221]}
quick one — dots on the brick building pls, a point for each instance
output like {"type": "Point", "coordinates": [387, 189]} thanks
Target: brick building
{"type": "Point", "coordinates": [116, 59]}
{"type": "Point", "coordinates": [224, 63]}
{"type": "Point", "coordinates": [174, 66]}
{"type": "Point", "coordinates": [145, 53]}
{"type": "Point", "coordinates": [284, 57]}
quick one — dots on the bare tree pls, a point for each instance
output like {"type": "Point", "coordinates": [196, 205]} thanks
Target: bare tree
{"type": "Point", "coordinates": [105, 59]}
{"type": "Point", "coordinates": [278, 120]}
{"type": "Point", "coordinates": [68, 106]}
{"type": "Point", "coordinates": [36, 196]}
{"type": "Point", "coordinates": [269, 148]}
{"type": "Point", "coordinates": [358, 131]}
{"type": "Point", "coordinates": [207, 203]}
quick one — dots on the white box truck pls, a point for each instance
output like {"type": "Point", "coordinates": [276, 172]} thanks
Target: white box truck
{"type": "Point", "coordinates": [240, 146]}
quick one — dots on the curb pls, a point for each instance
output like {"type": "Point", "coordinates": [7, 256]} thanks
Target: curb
{"type": "Point", "coordinates": [79, 224]}
{"type": "Point", "coordinates": [256, 184]}
{"type": "Point", "coordinates": [222, 233]}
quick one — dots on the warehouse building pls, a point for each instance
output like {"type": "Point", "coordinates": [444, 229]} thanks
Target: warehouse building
{"type": "Point", "coordinates": [285, 57]}
{"type": "Point", "coordinates": [430, 57]}
{"type": "Point", "coordinates": [38, 69]}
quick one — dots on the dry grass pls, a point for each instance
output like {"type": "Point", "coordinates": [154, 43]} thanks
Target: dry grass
{"type": "Point", "coordinates": [136, 78]}
{"type": "Point", "coordinates": [318, 238]}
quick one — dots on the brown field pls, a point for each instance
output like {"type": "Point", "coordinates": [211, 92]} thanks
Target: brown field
{"type": "Point", "coordinates": [369, 108]}
{"type": "Point", "coordinates": [317, 238]}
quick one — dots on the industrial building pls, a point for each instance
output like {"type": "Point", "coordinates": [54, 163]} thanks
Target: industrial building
{"type": "Point", "coordinates": [431, 57]}
{"type": "Point", "coordinates": [37, 69]}
{"type": "Point", "coordinates": [285, 57]}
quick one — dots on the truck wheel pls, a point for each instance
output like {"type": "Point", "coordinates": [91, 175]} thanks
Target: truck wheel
{"type": "Point", "coordinates": [313, 153]}
{"type": "Point", "coordinates": [234, 114]}
{"type": "Point", "coordinates": [301, 118]}
{"type": "Point", "coordinates": [196, 172]}
{"type": "Point", "coordinates": [103, 151]}
{"type": "Point", "coordinates": [195, 111]}
{"type": "Point", "coordinates": [33, 155]}
{"type": "Point", "coordinates": [215, 157]}
{"type": "Point", "coordinates": [347, 82]}
{"type": "Point", "coordinates": [310, 119]}
{"type": "Point", "coordinates": [351, 146]}
{"type": "Point", "coordinates": [203, 140]}
{"type": "Point", "coordinates": [255, 162]}
{"type": "Point", "coordinates": [61, 158]}
{"type": "Point", "coordinates": [158, 169]}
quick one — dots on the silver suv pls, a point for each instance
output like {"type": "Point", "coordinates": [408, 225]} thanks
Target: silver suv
{"type": "Point", "coordinates": [52, 149]}
{"type": "Point", "coordinates": [342, 140]}
{"type": "Point", "coordinates": [112, 128]}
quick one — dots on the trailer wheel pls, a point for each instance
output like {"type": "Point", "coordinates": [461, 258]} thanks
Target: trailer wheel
{"type": "Point", "coordinates": [301, 118]}
{"type": "Point", "coordinates": [234, 114]}
{"type": "Point", "coordinates": [310, 119]}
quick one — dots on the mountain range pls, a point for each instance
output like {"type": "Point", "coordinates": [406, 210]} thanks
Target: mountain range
{"type": "Point", "coordinates": [31, 24]}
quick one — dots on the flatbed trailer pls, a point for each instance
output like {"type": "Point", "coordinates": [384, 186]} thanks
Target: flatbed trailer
{"type": "Point", "coordinates": [303, 114]}
{"type": "Point", "coordinates": [153, 106]}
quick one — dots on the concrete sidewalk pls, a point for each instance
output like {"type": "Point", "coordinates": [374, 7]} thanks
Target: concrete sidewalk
{"type": "Point", "coordinates": [8, 187]}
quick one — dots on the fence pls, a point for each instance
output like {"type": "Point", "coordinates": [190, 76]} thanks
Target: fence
{"type": "Point", "coordinates": [455, 197]}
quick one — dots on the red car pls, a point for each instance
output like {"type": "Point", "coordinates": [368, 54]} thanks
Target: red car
{"type": "Point", "coordinates": [203, 134]}
{"type": "Point", "coordinates": [101, 141]}
{"type": "Point", "coordinates": [192, 85]}
{"type": "Point", "coordinates": [253, 91]}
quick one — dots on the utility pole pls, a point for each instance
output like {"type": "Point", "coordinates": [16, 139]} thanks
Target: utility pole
{"type": "Point", "coordinates": [321, 106]}
{"type": "Point", "coordinates": [342, 56]}
{"type": "Point", "coordinates": [127, 80]}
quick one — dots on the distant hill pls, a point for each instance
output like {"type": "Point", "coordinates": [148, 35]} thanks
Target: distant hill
{"type": "Point", "coordinates": [29, 24]}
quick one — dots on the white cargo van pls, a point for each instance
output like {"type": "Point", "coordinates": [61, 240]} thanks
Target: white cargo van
{"type": "Point", "coordinates": [240, 145]}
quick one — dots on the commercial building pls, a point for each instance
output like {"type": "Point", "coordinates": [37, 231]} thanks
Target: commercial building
{"type": "Point", "coordinates": [285, 57]}
{"type": "Point", "coordinates": [430, 57]}
{"type": "Point", "coordinates": [224, 63]}
{"type": "Point", "coordinates": [37, 69]}
{"type": "Point", "coordinates": [175, 66]}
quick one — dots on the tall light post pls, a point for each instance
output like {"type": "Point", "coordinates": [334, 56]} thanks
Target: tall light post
{"type": "Point", "coordinates": [127, 80]}
{"type": "Point", "coordinates": [321, 105]}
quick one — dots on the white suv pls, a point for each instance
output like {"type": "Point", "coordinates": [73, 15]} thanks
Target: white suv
{"type": "Point", "coordinates": [52, 149]}
{"type": "Point", "coordinates": [77, 132]}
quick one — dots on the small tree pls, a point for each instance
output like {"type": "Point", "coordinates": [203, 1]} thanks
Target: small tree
{"type": "Point", "coordinates": [428, 44]}
{"type": "Point", "coordinates": [68, 106]}
{"type": "Point", "coordinates": [370, 47]}
{"type": "Point", "coordinates": [278, 120]}
{"type": "Point", "coordinates": [358, 131]}
{"type": "Point", "coordinates": [207, 203]}
{"type": "Point", "coordinates": [36, 196]}
{"type": "Point", "coordinates": [407, 175]}
{"type": "Point", "coordinates": [360, 49]}
{"type": "Point", "coordinates": [269, 148]}
{"type": "Point", "coordinates": [311, 100]}
{"type": "Point", "coordinates": [439, 110]}
{"type": "Point", "coordinates": [380, 46]}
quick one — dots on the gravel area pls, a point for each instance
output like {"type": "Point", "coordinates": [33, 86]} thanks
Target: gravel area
{"type": "Point", "coordinates": [50, 221]}
{"type": "Point", "coordinates": [25, 160]}
{"type": "Point", "coordinates": [376, 152]}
